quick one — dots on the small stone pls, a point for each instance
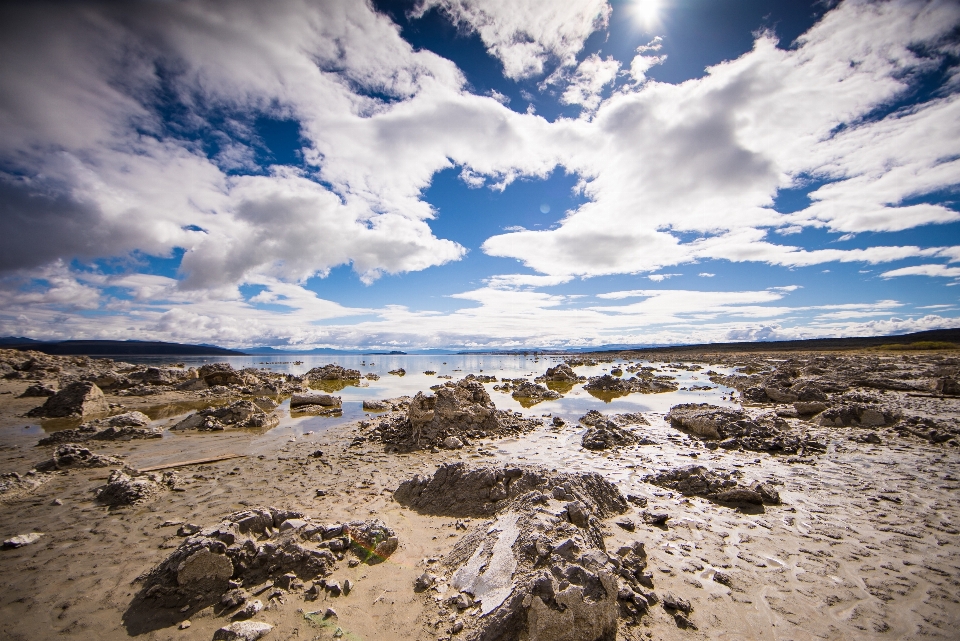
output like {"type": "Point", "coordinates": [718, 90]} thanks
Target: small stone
{"type": "Point", "coordinates": [334, 589]}
{"type": "Point", "coordinates": [627, 525]}
{"type": "Point", "coordinates": [185, 624]}
{"type": "Point", "coordinates": [250, 610]}
{"type": "Point", "coordinates": [721, 577]}
{"type": "Point", "coordinates": [57, 502]}
{"type": "Point", "coordinates": [188, 529]}
{"type": "Point", "coordinates": [353, 563]}
{"type": "Point", "coordinates": [424, 582]}
{"type": "Point", "coordinates": [337, 633]}
{"type": "Point", "coordinates": [347, 586]}
{"type": "Point", "coordinates": [452, 443]}
{"type": "Point", "coordinates": [655, 518]}
{"type": "Point", "coordinates": [457, 626]}
{"type": "Point", "coordinates": [242, 631]}
{"type": "Point", "coordinates": [673, 602]}
{"type": "Point", "coordinates": [22, 539]}
{"type": "Point", "coordinates": [329, 613]}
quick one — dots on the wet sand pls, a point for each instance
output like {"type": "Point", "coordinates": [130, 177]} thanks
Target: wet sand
{"type": "Point", "coordinates": [864, 546]}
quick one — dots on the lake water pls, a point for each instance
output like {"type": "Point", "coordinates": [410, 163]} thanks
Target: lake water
{"type": "Point", "coordinates": [575, 402]}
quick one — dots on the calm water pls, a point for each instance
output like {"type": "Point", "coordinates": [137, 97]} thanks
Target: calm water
{"type": "Point", "coordinates": [574, 404]}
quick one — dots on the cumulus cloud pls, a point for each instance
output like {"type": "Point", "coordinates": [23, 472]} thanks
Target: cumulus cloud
{"type": "Point", "coordinates": [588, 81]}
{"type": "Point", "coordinates": [923, 270]}
{"type": "Point", "coordinates": [526, 34]}
{"type": "Point", "coordinates": [708, 156]}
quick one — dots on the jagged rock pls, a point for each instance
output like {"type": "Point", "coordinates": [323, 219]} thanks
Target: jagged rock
{"type": "Point", "coordinates": [703, 419]}
{"type": "Point", "coordinates": [696, 480]}
{"type": "Point", "coordinates": [238, 414]}
{"type": "Point", "coordinates": [535, 574]}
{"type": "Point", "coordinates": [948, 385]}
{"type": "Point", "coordinates": [376, 406]}
{"type": "Point", "coordinates": [71, 455]}
{"type": "Point", "coordinates": [332, 372]}
{"type": "Point", "coordinates": [858, 415]}
{"type": "Point", "coordinates": [533, 393]}
{"type": "Point", "coordinates": [123, 489]}
{"type": "Point", "coordinates": [617, 386]}
{"type": "Point", "coordinates": [607, 432]}
{"type": "Point", "coordinates": [38, 390]}
{"type": "Point", "coordinates": [14, 485]}
{"type": "Point", "coordinates": [452, 443]}
{"type": "Point", "coordinates": [259, 549]}
{"type": "Point", "coordinates": [81, 398]}
{"type": "Point", "coordinates": [459, 408]}
{"type": "Point", "coordinates": [314, 398]}
{"type": "Point", "coordinates": [562, 373]}
{"type": "Point", "coordinates": [398, 372]}
{"type": "Point", "coordinates": [265, 403]}
{"type": "Point", "coordinates": [242, 631]}
{"type": "Point", "coordinates": [219, 374]}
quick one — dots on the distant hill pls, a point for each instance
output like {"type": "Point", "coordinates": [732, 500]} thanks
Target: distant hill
{"type": "Point", "coordinates": [934, 335]}
{"type": "Point", "coordinates": [115, 348]}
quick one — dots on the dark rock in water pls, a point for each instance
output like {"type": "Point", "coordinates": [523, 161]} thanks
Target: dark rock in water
{"type": "Point", "coordinates": [332, 372]}
{"type": "Point", "coordinates": [219, 374]}
{"type": "Point", "coordinates": [562, 373]}
{"type": "Point", "coordinates": [71, 455]}
{"type": "Point", "coordinates": [314, 398]}
{"type": "Point", "coordinates": [607, 432]}
{"type": "Point", "coordinates": [398, 372]}
{"type": "Point", "coordinates": [616, 386]}
{"type": "Point", "coordinates": [531, 392]}
{"type": "Point", "coordinates": [81, 398]}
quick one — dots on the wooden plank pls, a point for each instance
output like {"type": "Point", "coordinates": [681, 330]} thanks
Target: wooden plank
{"type": "Point", "coordinates": [199, 461]}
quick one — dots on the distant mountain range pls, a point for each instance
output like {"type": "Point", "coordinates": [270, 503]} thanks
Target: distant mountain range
{"type": "Point", "coordinates": [114, 348]}
{"type": "Point", "coordinates": [156, 348]}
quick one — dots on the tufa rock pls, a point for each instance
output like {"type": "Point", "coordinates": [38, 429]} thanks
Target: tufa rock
{"type": "Point", "coordinates": [81, 398]}
{"type": "Point", "coordinates": [242, 631]}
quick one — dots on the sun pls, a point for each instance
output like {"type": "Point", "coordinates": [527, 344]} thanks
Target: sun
{"type": "Point", "coordinates": [646, 13]}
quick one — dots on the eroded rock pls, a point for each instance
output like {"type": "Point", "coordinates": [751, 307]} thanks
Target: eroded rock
{"type": "Point", "coordinates": [80, 398]}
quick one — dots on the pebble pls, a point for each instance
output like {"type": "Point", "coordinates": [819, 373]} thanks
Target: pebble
{"type": "Point", "coordinates": [185, 624]}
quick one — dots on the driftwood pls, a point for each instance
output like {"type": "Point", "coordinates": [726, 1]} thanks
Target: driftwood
{"type": "Point", "coordinates": [212, 459]}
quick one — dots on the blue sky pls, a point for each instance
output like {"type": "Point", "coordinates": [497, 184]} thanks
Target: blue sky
{"type": "Point", "coordinates": [480, 174]}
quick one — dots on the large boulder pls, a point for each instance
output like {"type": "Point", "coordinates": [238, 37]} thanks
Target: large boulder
{"type": "Point", "coordinates": [459, 407]}
{"type": "Point", "coordinates": [78, 399]}
{"type": "Point", "coordinates": [538, 569]}
{"type": "Point", "coordinates": [123, 489]}
{"type": "Point", "coordinates": [703, 419]}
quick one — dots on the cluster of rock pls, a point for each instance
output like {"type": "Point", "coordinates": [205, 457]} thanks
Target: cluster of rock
{"type": "Point", "coordinates": [608, 384]}
{"type": "Point", "coordinates": [697, 480]}
{"type": "Point", "coordinates": [266, 547]}
{"type": "Point", "coordinates": [561, 373]}
{"type": "Point", "coordinates": [606, 432]}
{"type": "Point", "coordinates": [735, 429]}
{"type": "Point", "coordinates": [122, 427]}
{"type": "Point", "coordinates": [463, 410]}
{"type": "Point", "coordinates": [537, 569]}
{"type": "Point", "coordinates": [125, 489]}
{"type": "Point", "coordinates": [239, 414]}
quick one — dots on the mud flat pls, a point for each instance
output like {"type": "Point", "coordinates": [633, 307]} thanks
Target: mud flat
{"type": "Point", "coordinates": [801, 495]}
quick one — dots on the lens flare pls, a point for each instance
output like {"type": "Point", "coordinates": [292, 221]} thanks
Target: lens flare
{"type": "Point", "coordinates": [647, 13]}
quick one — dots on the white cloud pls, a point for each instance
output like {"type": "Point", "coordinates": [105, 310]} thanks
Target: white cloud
{"type": "Point", "coordinates": [923, 270]}
{"type": "Point", "coordinates": [641, 63]}
{"type": "Point", "coordinates": [708, 156]}
{"type": "Point", "coordinates": [587, 82]}
{"type": "Point", "coordinates": [657, 278]}
{"type": "Point", "coordinates": [525, 34]}
{"type": "Point", "coordinates": [706, 275]}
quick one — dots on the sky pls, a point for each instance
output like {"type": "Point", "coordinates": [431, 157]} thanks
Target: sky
{"type": "Point", "coordinates": [478, 174]}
